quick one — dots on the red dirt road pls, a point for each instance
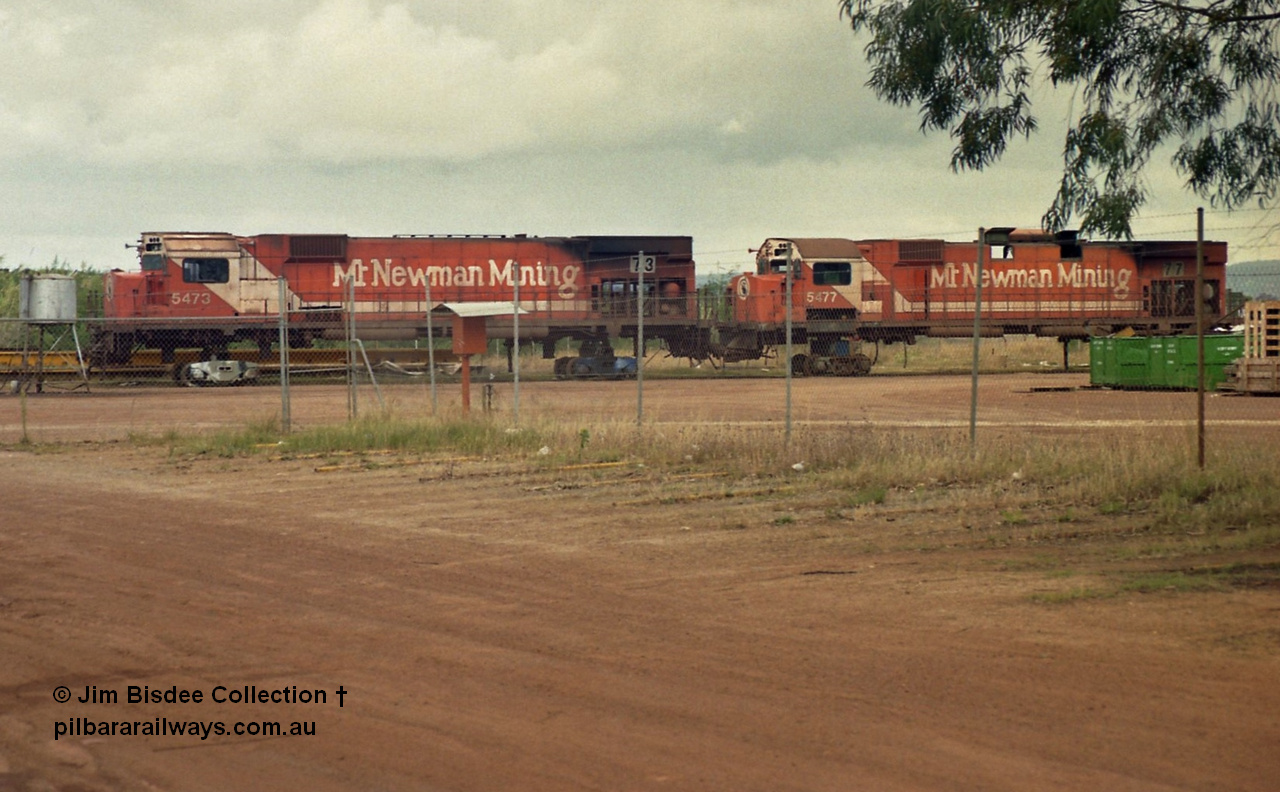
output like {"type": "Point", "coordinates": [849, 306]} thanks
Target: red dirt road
{"type": "Point", "coordinates": [1031, 401]}
{"type": "Point", "coordinates": [497, 626]}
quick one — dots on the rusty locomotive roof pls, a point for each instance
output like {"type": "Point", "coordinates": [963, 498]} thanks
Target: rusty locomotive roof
{"type": "Point", "coordinates": [824, 247]}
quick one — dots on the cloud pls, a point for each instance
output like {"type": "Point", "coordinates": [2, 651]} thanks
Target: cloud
{"type": "Point", "coordinates": [729, 120]}
{"type": "Point", "coordinates": [357, 80]}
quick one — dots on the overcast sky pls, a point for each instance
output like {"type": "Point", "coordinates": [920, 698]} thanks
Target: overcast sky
{"type": "Point", "coordinates": [725, 120]}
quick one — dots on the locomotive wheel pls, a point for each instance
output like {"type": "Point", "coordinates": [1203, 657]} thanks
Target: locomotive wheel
{"type": "Point", "coordinates": [801, 365]}
{"type": "Point", "coordinates": [861, 365]}
{"type": "Point", "coordinates": [843, 366]}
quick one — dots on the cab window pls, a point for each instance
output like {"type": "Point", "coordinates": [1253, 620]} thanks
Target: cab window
{"type": "Point", "coordinates": [778, 266]}
{"type": "Point", "coordinates": [832, 273]}
{"type": "Point", "coordinates": [205, 270]}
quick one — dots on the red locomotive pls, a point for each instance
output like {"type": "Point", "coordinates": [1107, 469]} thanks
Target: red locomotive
{"type": "Point", "coordinates": [207, 290]}
{"type": "Point", "coordinates": [846, 291]}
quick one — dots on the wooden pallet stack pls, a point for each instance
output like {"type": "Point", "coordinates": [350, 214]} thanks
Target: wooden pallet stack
{"type": "Point", "coordinates": [1258, 371]}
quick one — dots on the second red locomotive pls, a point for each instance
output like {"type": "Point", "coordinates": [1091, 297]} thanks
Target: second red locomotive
{"type": "Point", "coordinates": [1033, 282]}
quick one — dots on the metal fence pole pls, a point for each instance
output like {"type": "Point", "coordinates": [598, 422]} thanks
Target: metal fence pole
{"type": "Point", "coordinates": [977, 347]}
{"type": "Point", "coordinates": [431, 353]}
{"type": "Point", "coordinates": [791, 263]}
{"type": "Point", "coordinates": [1200, 337]}
{"type": "Point", "coordinates": [515, 320]}
{"type": "Point", "coordinates": [353, 407]}
{"type": "Point", "coordinates": [283, 358]}
{"type": "Point", "coordinates": [640, 340]}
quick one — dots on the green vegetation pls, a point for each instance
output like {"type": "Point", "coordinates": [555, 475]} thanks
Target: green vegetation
{"type": "Point", "coordinates": [365, 436]}
{"type": "Point", "coordinates": [88, 302]}
{"type": "Point", "coordinates": [867, 496]}
{"type": "Point", "coordinates": [1170, 581]}
{"type": "Point", "coordinates": [1070, 595]}
{"type": "Point", "coordinates": [1146, 75]}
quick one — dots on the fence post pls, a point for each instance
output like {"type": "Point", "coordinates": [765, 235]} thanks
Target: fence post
{"type": "Point", "coordinates": [1200, 336]}
{"type": "Point", "coordinates": [353, 408]}
{"type": "Point", "coordinates": [515, 323]}
{"type": "Point", "coordinates": [640, 340]}
{"type": "Point", "coordinates": [283, 357]}
{"type": "Point", "coordinates": [431, 353]}
{"type": "Point", "coordinates": [791, 265]}
{"type": "Point", "coordinates": [977, 345]}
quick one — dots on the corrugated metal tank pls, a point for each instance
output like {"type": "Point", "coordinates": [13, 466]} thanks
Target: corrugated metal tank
{"type": "Point", "coordinates": [47, 298]}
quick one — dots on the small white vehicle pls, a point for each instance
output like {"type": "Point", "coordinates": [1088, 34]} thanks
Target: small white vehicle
{"type": "Point", "coordinates": [219, 372]}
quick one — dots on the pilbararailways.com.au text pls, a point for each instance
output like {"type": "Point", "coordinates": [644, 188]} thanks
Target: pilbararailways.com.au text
{"type": "Point", "coordinates": [84, 725]}
{"type": "Point", "coordinates": [163, 727]}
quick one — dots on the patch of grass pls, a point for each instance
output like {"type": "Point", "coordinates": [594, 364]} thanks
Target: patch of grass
{"type": "Point", "coordinates": [866, 496]}
{"type": "Point", "coordinates": [1040, 561]}
{"type": "Point", "coordinates": [1013, 517]}
{"type": "Point", "coordinates": [169, 437]}
{"type": "Point", "coordinates": [1240, 575]}
{"type": "Point", "coordinates": [1149, 582]}
{"type": "Point", "coordinates": [1172, 581]}
{"type": "Point", "coordinates": [1070, 595]}
{"type": "Point", "coordinates": [231, 442]}
{"type": "Point", "coordinates": [366, 435]}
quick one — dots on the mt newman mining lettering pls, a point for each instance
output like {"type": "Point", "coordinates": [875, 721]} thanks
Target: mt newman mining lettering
{"type": "Point", "coordinates": [1070, 276]}
{"type": "Point", "coordinates": [382, 273]}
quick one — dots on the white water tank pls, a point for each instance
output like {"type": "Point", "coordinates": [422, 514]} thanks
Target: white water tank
{"type": "Point", "coordinates": [47, 298]}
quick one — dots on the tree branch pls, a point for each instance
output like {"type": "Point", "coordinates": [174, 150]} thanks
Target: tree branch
{"type": "Point", "coordinates": [1211, 13]}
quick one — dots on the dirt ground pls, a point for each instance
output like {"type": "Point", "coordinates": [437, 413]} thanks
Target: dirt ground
{"type": "Point", "coordinates": [1029, 401]}
{"type": "Point", "coordinates": [492, 625]}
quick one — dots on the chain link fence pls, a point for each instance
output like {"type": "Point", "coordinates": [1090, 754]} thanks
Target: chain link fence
{"type": "Point", "coordinates": [307, 368]}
